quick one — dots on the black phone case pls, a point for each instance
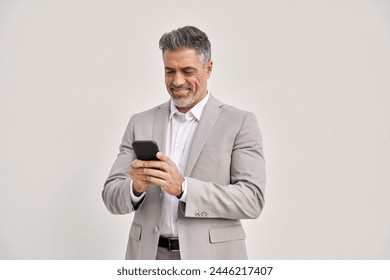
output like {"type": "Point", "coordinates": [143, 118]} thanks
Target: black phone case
{"type": "Point", "coordinates": [145, 149]}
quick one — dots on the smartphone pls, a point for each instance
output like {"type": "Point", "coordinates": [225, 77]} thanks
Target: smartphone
{"type": "Point", "coordinates": [145, 149]}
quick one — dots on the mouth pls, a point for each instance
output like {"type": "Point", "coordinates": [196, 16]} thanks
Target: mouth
{"type": "Point", "coordinates": [181, 88]}
{"type": "Point", "coordinates": [180, 91]}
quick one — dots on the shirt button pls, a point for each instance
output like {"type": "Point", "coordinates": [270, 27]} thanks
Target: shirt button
{"type": "Point", "coordinates": [156, 229]}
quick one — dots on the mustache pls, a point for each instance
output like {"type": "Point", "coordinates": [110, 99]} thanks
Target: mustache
{"type": "Point", "coordinates": [173, 87]}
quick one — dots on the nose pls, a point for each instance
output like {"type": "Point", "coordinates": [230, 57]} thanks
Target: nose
{"type": "Point", "coordinates": [178, 79]}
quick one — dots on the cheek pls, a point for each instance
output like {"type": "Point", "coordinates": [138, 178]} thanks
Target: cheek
{"type": "Point", "coordinates": [168, 81]}
{"type": "Point", "coordinates": [195, 81]}
{"type": "Point", "coordinates": [200, 83]}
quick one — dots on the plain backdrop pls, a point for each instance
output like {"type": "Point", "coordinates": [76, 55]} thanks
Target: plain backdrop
{"type": "Point", "coordinates": [316, 74]}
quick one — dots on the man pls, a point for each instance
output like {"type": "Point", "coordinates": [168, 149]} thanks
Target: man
{"type": "Point", "coordinates": [210, 172]}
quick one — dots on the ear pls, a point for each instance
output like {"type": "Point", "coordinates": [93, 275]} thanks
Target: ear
{"type": "Point", "coordinates": [209, 68]}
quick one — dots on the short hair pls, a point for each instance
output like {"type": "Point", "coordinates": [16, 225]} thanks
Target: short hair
{"type": "Point", "coordinates": [187, 37]}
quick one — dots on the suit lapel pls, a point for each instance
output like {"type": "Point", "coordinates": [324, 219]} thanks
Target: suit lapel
{"type": "Point", "coordinates": [160, 126]}
{"type": "Point", "coordinates": [209, 116]}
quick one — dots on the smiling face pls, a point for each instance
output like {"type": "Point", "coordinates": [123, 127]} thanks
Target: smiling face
{"type": "Point", "coordinates": [186, 77]}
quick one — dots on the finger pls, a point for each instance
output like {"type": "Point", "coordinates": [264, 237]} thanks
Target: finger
{"type": "Point", "coordinates": [146, 164]}
{"type": "Point", "coordinates": [157, 181]}
{"type": "Point", "coordinates": [139, 177]}
{"type": "Point", "coordinates": [156, 164]}
{"type": "Point", "coordinates": [137, 163]}
{"type": "Point", "coordinates": [157, 173]}
{"type": "Point", "coordinates": [136, 171]}
{"type": "Point", "coordinates": [164, 158]}
{"type": "Point", "coordinates": [141, 181]}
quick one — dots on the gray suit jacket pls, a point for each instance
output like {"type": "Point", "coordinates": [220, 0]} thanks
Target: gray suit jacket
{"type": "Point", "coordinates": [225, 177]}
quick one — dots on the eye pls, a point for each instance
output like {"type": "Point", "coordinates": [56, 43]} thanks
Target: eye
{"type": "Point", "coordinates": [189, 71]}
{"type": "Point", "coordinates": [168, 71]}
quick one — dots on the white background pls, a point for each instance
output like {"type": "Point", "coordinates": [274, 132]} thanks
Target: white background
{"type": "Point", "coordinates": [316, 73]}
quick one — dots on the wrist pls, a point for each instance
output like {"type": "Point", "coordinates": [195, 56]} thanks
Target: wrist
{"type": "Point", "coordinates": [136, 193]}
{"type": "Point", "coordinates": [181, 189]}
{"type": "Point", "coordinates": [180, 195]}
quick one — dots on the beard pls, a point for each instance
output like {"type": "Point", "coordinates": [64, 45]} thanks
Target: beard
{"type": "Point", "coordinates": [186, 98]}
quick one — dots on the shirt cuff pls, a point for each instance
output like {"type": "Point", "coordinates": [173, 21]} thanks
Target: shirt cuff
{"type": "Point", "coordinates": [183, 198]}
{"type": "Point", "coordinates": [135, 199]}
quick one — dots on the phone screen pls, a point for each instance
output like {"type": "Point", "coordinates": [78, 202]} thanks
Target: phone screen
{"type": "Point", "coordinates": [145, 149]}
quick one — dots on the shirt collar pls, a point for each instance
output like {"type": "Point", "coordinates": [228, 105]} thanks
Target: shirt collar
{"type": "Point", "coordinates": [195, 111]}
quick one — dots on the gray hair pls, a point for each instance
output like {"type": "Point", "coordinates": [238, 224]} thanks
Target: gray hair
{"type": "Point", "coordinates": [187, 37]}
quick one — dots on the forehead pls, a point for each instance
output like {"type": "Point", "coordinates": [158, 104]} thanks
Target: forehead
{"type": "Point", "coordinates": [181, 57]}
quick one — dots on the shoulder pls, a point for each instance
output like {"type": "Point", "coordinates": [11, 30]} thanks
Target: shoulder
{"type": "Point", "coordinates": [231, 111]}
{"type": "Point", "coordinates": [150, 113]}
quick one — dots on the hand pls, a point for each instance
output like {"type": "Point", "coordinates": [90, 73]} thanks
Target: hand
{"type": "Point", "coordinates": [163, 172]}
{"type": "Point", "coordinates": [140, 182]}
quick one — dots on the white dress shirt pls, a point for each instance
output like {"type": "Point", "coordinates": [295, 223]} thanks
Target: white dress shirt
{"type": "Point", "coordinates": [181, 131]}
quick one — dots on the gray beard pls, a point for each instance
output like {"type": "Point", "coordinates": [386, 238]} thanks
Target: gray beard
{"type": "Point", "coordinates": [184, 102]}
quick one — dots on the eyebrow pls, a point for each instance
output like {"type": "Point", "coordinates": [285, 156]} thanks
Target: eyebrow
{"type": "Point", "coordinates": [188, 68]}
{"type": "Point", "coordinates": [185, 68]}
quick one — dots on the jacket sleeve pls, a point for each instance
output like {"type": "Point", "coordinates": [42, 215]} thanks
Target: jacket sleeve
{"type": "Point", "coordinates": [243, 197]}
{"type": "Point", "coordinates": [116, 192]}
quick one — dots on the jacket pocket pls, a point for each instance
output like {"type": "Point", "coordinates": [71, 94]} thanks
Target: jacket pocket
{"type": "Point", "coordinates": [135, 231]}
{"type": "Point", "coordinates": [226, 233]}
